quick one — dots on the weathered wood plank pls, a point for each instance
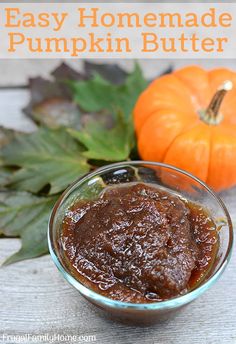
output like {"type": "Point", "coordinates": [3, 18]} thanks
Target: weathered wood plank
{"type": "Point", "coordinates": [17, 72]}
{"type": "Point", "coordinates": [11, 104]}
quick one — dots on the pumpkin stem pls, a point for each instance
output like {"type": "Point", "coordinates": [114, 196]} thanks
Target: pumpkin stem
{"type": "Point", "coordinates": [212, 115]}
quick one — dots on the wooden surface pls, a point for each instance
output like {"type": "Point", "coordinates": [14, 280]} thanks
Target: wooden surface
{"type": "Point", "coordinates": [16, 72]}
{"type": "Point", "coordinates": [35, 299]}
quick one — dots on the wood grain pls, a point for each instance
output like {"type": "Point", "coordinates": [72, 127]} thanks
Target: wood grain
{"type": "Point", "coordinates": [35, 299]}
{"type": "Point", "coordinates": [16, 72]}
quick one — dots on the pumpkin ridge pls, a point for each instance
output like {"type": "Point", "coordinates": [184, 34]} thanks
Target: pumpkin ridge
{"type": "Point", "coordinates": [151, 87]}
{"type": "Point", "coordinates": [174, 123]}
{"type": "Point", "coordinates": [225, 162]}
{"type": "Point", "coordinates": [210, 153]}
{"type": "Point", "coordinates": [198, 106]}
{"type": "Point", "coordinates": [171, 158]}
{"type": "Point", "coordinates": [190, 91]}
{"type": "Point", "coordinates": [167, 108]}
{"type": "Point", "coordinates": [185, 130]}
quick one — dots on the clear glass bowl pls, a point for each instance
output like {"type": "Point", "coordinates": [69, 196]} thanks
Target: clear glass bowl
{"type": "Point", "coordinates": [169, 178]}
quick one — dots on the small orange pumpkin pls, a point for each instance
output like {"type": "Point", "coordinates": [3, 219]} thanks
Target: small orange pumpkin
{"type": "Point", "coordinates": [188, 119]}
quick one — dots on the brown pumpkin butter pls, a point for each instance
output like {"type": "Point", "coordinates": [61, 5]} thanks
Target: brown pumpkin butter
{"type": "Point", "coordinates": [138, 243]}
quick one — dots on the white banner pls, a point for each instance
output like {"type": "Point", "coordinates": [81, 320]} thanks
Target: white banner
{"type": "Point", "coordinates": [118, 30]}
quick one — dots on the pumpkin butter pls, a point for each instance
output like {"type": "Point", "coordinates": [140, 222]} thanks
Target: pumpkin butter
{"type": "Point", "coordinates": [138, 243]}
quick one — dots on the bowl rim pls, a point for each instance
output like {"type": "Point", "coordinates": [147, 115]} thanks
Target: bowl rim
{"type": "Point", "coordinates": [160, 305]}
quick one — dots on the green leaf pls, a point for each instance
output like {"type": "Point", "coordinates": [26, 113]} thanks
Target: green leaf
{"type": "Point", "coordinates": [93, 95]}
{"type": "Point", "coordinates": [6, 136]}
{"type": "Point", "coordinates": [48, 156]}
{"type": "Point", "coordinates": [5, 175]}
{"type": "Point", "coordinates": [98, 94]}
{"type": "Point", "coordinates": [52, 157]}
{"type": "Point", "coordinates": [107, 144]}
{"type": "Point", "coordinates": [25, 215]}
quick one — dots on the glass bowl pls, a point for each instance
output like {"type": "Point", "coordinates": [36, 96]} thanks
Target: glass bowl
{"type": "Point", "coordinates": [167, 177]}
